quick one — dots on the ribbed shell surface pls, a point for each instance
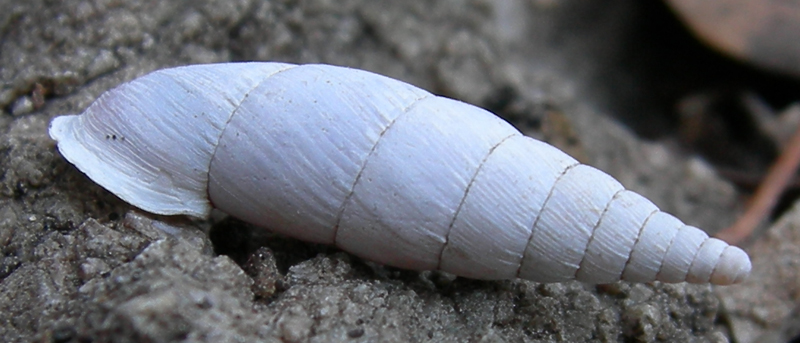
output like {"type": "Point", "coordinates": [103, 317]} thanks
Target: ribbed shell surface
{"type": "Point", "coordinates": [381, 169]}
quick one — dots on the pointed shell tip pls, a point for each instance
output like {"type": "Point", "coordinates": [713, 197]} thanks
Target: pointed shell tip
{"type": "Point", "coordinates": [733, 267]}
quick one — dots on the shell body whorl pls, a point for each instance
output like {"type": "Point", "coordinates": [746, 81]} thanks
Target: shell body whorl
{"type": "Point", "coordinates": [382, 169]}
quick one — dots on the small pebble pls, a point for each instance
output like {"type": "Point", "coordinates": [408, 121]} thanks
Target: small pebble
{"type": "Point", "coordinates": [23, 105]}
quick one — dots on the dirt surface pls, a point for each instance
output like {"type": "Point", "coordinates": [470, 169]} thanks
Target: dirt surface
{"type": "Point", "coordinates": [764, 308]}
{"type": "Point", "coordinates": [79, 265]}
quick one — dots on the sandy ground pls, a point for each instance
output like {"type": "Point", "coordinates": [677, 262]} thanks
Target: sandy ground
{"type": "Point", "coordinates": [80, 265]}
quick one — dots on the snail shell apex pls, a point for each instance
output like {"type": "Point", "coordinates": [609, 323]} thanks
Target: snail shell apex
{"type": "Point", "coordinates": [381, 169]}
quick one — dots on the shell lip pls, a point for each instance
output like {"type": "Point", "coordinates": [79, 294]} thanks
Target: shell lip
{"type": "Point", "coordinates": [77, 147]}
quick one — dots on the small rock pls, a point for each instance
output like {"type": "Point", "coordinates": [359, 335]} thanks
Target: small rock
{"type": "Point", "coordinates": [761, 308]}
{"type": "Point", "coordinates": [262, 267]}
{"type": "Point", "coordinates": [103, 63]}
{"type": "Point", "coordinates": [23, 105]}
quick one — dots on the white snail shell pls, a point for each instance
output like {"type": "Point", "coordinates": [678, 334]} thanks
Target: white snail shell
{"type": "Point", "coordinates": [381, 169]}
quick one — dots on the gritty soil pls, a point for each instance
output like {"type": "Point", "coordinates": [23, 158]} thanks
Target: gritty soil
{"type": "Point", "coordinates": [80, 265]}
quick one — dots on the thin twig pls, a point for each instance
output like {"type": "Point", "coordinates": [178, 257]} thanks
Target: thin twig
{"type": "Point", "coordinates": [767, 194]}
{"type": "Point", "coordinates": [749, 181]}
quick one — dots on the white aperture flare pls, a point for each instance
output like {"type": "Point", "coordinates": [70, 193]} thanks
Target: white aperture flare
{"type": "Point", "coordinates": [381, 169]}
